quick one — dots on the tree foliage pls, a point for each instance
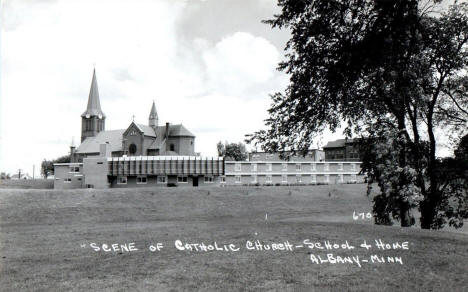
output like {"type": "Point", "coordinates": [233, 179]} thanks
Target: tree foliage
{"type": "Point", "coordinates": [232, 151]}
{"type": "Point", "coordinates": [47, 166]}
{"type": "Point", "coordinates": [394, 71]}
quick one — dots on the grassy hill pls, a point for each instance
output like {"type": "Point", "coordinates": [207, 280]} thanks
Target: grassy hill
{"type": "Point", "coordinates": [45, 238]}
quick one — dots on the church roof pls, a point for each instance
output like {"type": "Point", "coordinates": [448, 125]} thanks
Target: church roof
{"type": "Point", "coordinates": [91, 144]}
{"type": "Point", "coordinates": [147, 130]}
{"type": "Point", "coordinates": [114, 138]}
{"type": "Point", "coordinates": [94, 106]}
{"type": "Point", "coordinates": [178, 130]}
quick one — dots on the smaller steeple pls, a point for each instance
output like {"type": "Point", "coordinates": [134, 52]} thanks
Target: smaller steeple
{"type": "Point", "coordinates": [153, 117]}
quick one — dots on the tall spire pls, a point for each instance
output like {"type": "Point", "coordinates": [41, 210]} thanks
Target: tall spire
{"type": "Point", "coordinates": [94, 106]}
{"type": "Point", "coordinates": [153, 117]}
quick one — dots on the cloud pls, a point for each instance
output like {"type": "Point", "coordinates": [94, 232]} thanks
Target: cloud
{"type": "Point", "coordinates": [218, 86]}
{"type": "Point", "coordinates": [239, 62]}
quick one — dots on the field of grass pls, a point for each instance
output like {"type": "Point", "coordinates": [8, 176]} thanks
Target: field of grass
{"type": "Point", "coordinates": [27, 184]}
{"type": "Point", "coordinates": [45, 238]}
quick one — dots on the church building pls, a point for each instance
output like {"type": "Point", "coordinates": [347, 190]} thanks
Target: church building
{"type": "Point", "coordinates": [136, 140]}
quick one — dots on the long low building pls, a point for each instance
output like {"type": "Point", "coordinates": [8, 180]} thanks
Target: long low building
{"type": "Point", "coordinates": [105, 171]}
{"type": "Point", "coordinates": [291, 173]}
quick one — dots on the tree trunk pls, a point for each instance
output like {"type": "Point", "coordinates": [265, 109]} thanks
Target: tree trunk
{"type": "Point", "coordinates": [405, 219]}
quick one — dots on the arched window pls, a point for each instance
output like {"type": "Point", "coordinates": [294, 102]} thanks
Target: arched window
{"type": "Point", "coordinates": [132, 148]}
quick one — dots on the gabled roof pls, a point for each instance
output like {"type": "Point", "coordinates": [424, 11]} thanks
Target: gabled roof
{"type": "Point", "coordinates": [178, 131]}
{"type": "Point", "coordinates": [338, 143]}
{"type": "Point", "coordinates": [94, 106]}
{"type": "Point", "coordinates": [91, 144]}
{"type": "Point", "coordinates": [146, 130]}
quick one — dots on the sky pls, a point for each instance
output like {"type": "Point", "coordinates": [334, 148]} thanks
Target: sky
{"type": "Point", "coordinates": [209, 64]}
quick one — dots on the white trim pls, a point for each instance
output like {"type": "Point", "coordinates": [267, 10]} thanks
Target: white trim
{"type": "Point", "coordinates": [290, 173]}
{"type": "Point", "coordinates": [291, 162]}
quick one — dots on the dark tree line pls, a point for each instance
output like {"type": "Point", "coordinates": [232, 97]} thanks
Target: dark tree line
{"type": "Point", "coordinates": [394, 71]}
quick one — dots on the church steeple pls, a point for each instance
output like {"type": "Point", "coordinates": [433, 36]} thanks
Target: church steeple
{"type": "Point", "coordinates": [94, 106]}
{"type": "Point", "coordinates": [153, 117]}
{"type": "Point", "coordinates": [93, 119]}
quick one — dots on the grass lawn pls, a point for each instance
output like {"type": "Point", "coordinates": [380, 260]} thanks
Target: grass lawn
{"type": "Point", "coordinates": [45, 237]}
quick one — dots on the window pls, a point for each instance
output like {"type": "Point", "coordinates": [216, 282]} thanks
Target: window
{"type": "Point", "coordinates": [269, 178]}
{"type": "Point", "coordinates": [132, 148]}
{"type": "Point", "coordinates": [326, 167]}
{"type": "Point", "coordinates": [132, 132]}
{"type": "Point", "coordinates": [141, 180]}
{"type": "Point", "coordinates": [255, 156]}
{"type": "Point", "coordinates": [172, 147]}
{"type": "Point", "coordinates": [89, 186]}
{"type": "Point", "coordinates": [88, 125]}
{"type": "Point", "coordinates": [340, 166]}
{"type": "Point", "coordinates": [327, 178]}
{"type": "Point", "coordinates": [313, 167]}
{"type": "Point", "coordinates": [238, 167]}
{"type": "Point", "coordinates": [254, 179]}
{"type": "Point", "coordinates": [67, 180]}
{"type": "Point", "coordinates": [238, 179]}
{"type": "Point", "coordinates": [353, 178]}
{"type": "Point", "coordinates": [313, 179]}
{"type": "Point", "coordinates": [223, 179]}
{"type": "Point", "coordinates": [340, 178]}
{"type": "Point", "coordinates": [298, 167]}
{"type": "Point", "coordinates": [208, 179]}
{"type": "Point", "coordinates": [268, 167]}
{"type": "Point", "coordinates": [298, 178]}
{"type": "Point", "coordinates": [191, 142]}
{"type": "Point", "coordinates": [162, 179]}
{"type": "Point", "coordinates": [284, 167]}
{"type": "Point", "coordinates": [353, 166]}
{"type": "Point", "coordinates": [284, 178]}
{"type": "Point", "coordinates": [254, 167]}
{"type": "Point", "coordinates": [74, 169]}
{"type": "Point", "coordinates": [122, 180]}
{"type": "Point", "coordinates": [182, 179]}
{"type": "Point", "coordinates": [269, 156]}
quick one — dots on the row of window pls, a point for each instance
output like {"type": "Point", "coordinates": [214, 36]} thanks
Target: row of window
{"type": "Point", "coordinates": [68, 180]}
{"type": "Point", "coordinates": [122, 180]}
{"type": "Point", "coordinates": [89, 125]}
{"type": "Point", "coordinates": [313, 167]}
{"type": "Point", "coordinates": [284, 178]}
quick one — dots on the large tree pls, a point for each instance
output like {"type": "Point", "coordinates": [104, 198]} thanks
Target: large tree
{"type": "Point", "coordinates": [232, 151]}
{"type": "Point", "coordinates": [392, 65]}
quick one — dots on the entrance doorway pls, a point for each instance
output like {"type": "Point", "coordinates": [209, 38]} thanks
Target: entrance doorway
{"type": "Point", "coordinates": [195, 181]}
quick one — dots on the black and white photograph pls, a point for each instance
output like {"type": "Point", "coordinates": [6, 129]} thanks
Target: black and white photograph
{"type": "Point", "coordinates": [233, 145]}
